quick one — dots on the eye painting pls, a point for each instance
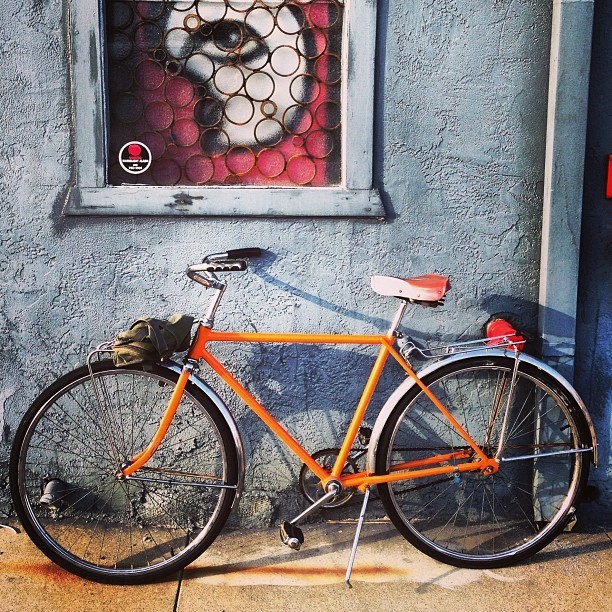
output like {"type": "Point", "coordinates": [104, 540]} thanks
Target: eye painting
{"type": "Point", "coordinates": [227, 92]}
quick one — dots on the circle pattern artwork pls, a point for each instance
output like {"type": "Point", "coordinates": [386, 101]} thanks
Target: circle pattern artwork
{"type": "Point", "coordinates": [230, 92]}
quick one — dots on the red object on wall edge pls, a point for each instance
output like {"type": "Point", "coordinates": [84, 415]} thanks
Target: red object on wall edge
{"type": "Point", "coordinates": [609, 179]}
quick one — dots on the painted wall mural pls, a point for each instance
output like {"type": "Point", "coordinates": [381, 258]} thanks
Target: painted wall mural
{"type": "Point", "coordinates": [225, 92]}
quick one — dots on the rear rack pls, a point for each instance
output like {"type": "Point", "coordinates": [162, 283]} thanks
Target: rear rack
{"type": "Point", "coordinates": [105, 347]}
{"type": "Point", "coordinates": [408, 348]}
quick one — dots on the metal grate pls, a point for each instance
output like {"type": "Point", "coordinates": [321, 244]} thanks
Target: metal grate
{"type": "Point", "coordinates": [225, 92]}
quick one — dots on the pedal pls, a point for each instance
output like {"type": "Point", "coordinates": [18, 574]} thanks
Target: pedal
{"type": "Point", "coordinates": [291, 535]}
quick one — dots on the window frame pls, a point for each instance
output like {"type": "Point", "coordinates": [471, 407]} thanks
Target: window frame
{"type": "Point", "coordinates": [91, 195]}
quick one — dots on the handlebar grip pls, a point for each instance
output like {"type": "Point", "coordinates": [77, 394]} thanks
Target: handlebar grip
{"type": "Point", "coordinates": [217, 266]}
{"type": "Point", "coordinates": [243, 253]}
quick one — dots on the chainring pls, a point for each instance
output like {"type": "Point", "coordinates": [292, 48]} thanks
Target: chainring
{"type": "Point", "coordinates": [310, 485]}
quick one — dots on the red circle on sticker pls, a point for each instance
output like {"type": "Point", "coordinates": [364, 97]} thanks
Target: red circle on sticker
{"type": "Point", "coordinates": [134, 150]}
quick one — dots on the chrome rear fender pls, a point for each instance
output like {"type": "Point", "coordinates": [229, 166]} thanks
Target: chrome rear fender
{"type": "Point", "coordinates": [395, 397]}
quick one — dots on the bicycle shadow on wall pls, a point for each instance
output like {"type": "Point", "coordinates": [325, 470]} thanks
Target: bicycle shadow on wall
{"type": "Point", "coordinates": [312, 412]}
{"type": "Point", "coordinates": [260, 268]}
{"type": "Point", "coordinates": [317, 376]}
{"type": "Point", "coordinates": [308, 413]}
{"type": "Point", "coordinates": [522, 313]}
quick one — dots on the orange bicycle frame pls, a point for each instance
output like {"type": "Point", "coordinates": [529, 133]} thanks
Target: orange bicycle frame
{"type": "Point", "coordinates": [431, 466]}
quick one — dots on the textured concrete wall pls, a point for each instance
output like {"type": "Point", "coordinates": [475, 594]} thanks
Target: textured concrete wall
{"type": "Point", "coordinates": [459, 150]}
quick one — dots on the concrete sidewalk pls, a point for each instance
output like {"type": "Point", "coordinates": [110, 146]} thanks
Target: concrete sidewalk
{"type": "Point", "coordinates": [252, 571]}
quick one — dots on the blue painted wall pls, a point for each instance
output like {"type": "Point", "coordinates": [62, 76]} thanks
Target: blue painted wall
{"type": "Point", "coordinates": [594, 325]}
{"type": "Point", "coordinates": [460, 123]}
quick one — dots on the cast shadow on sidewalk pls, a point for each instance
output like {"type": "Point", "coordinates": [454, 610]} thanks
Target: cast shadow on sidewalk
{"type": "Point", "coordinates": [565, 546]}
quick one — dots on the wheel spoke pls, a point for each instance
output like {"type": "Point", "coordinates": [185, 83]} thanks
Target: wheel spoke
{"type": "Point", "coordinates": [109, 529]}
{"type": "Point", "coordinates": [477, 519]}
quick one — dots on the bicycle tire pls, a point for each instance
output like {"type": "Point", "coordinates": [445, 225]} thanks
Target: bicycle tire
{"type": "Point", "coordinates": [475, 520]}
{"type": "Point", "coordinates": [66, 454]}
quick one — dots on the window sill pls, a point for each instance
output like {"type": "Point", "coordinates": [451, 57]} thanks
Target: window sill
{"type": "Point", "coordinates": [232, 201]}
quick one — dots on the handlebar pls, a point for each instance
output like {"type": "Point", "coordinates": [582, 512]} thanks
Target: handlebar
{"type": "Point", "coordinates": [204, 274]}
{"type": "Point", "coordinates": [229, 261]}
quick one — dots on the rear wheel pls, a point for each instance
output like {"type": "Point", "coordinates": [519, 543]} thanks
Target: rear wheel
{"type": "Point", "coordinates": [473, 519]}
{"type": "Point", "coordinates": [68, 450]}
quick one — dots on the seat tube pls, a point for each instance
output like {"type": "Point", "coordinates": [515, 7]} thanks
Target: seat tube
{"type": "Point", "coordinates": [360, 411]}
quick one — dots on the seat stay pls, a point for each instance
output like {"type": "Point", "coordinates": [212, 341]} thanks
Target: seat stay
{"type": "Point", "coordinates": [440, 406]}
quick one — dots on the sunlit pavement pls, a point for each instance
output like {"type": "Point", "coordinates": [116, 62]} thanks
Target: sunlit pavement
{"type": "Point", "coordinates": [251, 570]}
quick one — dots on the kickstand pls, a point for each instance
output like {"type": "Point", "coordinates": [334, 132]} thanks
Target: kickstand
{"type": "Point", "coordinates": [349, 569]}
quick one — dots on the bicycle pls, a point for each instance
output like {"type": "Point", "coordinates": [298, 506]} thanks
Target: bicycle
{"type": "Point", "coordinates": [125, 475]}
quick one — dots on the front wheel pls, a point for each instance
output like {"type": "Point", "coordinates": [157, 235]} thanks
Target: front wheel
{"type": "Point", "coordinates": [65, 460]}
{"type": "Point", "coordinates": [473, 519]}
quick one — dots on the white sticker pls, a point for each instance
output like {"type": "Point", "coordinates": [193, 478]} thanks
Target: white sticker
{"type": "Point", "coordinates": [135, 157]}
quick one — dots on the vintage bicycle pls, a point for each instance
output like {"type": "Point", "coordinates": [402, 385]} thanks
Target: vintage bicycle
{"type": "Point", "coordinates": [127, 474]}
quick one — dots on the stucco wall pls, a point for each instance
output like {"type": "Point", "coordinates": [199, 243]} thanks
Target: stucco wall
{"type": "Point", "coordinates": [459, 148]}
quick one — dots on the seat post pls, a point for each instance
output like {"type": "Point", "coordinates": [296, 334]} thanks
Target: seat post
{"type": "Point", "coordinates": [397, 319]}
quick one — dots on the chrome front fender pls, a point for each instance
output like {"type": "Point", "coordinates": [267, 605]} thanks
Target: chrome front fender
{"type": "Point", "coordinates": [225, 413]}
{"type": "Point", "coordinates": [489, 352]}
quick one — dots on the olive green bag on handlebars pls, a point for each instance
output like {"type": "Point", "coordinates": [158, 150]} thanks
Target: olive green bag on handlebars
{"type": "Point", "coordinates": [152, 340]}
